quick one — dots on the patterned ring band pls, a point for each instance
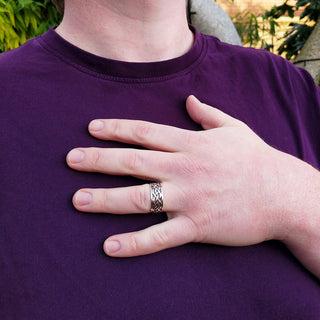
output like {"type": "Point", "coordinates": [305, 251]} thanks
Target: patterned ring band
{"type": "Point", "coordinates": [156, 197]}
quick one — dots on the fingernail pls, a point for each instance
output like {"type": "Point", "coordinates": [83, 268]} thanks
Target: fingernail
{"type": "Point", "coordinates": [83, 198]}
{"type": "Point", "coordinates": [76, 156]}
{"type": "Point", "coordinates": [112, 246]}
{"type": "Point", "coordinates": [96, 125]}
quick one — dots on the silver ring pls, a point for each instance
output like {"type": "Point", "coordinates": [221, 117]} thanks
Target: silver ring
{"type": "Point", "coordinates": [156, 197]}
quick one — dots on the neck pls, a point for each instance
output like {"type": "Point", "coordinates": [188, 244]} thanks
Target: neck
{"type": "Point", "coordinates": [128, 30]}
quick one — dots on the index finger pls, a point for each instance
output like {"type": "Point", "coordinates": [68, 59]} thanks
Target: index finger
{"type": "Point", "coordinates": [150, 135]}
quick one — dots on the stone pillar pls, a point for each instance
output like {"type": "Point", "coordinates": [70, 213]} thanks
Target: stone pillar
{"type": "Point", "coordinates": [309, 57]}
{"type": "Point", "coordinates": [210, 18]}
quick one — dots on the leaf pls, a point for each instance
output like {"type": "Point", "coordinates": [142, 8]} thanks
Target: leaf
{"type": "Point", "coordinates": [10, 13]}
{"type": "Point", "coordinates": [27, 18]}
{"type": "Point", "coordinates": [21, 21]}
{"type": "Point", "coordinates": [23, 37]}
{"type": "Point", "coordinates": [25, 2]}
{"type": "Point", "coordinates": [34, 22]}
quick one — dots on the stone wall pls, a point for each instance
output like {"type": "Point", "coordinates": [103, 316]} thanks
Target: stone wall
{"type": "Point", "coordinates": [255, 6]}
{"type": "Point", "coordinates": [309, 58]}
{"type": "Point", "coordinates": [209, 18]}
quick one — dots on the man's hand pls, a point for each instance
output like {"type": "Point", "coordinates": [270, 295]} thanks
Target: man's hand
{"type": "Point", "coordinates": [222, 185]}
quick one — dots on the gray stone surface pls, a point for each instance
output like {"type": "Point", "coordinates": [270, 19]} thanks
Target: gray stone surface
{"type": "Point", "coordinates": [311, 51]}
{"type": "Point", "coordinates": [210, 18]}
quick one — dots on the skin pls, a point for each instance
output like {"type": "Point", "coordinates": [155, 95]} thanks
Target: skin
{"type": "Point", "coordinates": [127, 30]}
{"type": "Point", "coordinates": [242, 195]}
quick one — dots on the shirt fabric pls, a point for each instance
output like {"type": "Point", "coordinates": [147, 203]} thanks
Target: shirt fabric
{"type": "Point", "coordinates": [51, 258]}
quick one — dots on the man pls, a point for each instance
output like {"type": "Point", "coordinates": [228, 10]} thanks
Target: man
{"type": "Point", "coordinates": [222, 186]}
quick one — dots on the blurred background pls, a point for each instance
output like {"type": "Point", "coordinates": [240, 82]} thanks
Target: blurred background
{"type": "Point", "coordinates": [288, 28]}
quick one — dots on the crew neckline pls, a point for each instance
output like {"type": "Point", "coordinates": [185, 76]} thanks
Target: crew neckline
{"type": "Point", "coordinates": [105, 67]}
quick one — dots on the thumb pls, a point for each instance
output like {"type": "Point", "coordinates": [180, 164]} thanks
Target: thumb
{"type": "Point", "coordinates": [209, 117]}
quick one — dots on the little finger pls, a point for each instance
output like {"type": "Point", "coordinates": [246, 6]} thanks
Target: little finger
{"type": "Point", "coordinates": [171, 233]}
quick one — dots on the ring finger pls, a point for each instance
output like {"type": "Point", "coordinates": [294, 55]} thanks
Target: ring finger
{"type": "Point", "coordinates": [128, 200]}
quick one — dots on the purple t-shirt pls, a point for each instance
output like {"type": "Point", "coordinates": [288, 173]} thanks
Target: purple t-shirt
{"type": "Point", "coordinates": [51, 261]}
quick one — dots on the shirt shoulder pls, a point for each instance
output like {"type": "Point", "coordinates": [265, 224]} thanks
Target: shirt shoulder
{"type": "Point", "coordinates": [243, 56]}
{"type": "Point", "coordinates": [29, 56]}
{"type": "Point", "coordinates": [257, 66]}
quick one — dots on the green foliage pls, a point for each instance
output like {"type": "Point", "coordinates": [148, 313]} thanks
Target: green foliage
{"type": "Point", "coordinates": [296, 37]}
{"type": "Point", "coordinates": [21, 20]}
{"type": "Point", "coordinates": [248, 27]}
{"type": "Point", "coordinates": [251, 28]}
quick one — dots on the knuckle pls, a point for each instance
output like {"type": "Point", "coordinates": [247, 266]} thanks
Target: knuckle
{"type": "Point", "coordinates": [133, 243]}
{"type": "Point", "coordinates": [95, 158]}
{"type": "Point", "coordinates": [103, 204]}
{"type": "Point", "coordinates": [189, 139]}
{"type": "Point", "coordinates": [198, 228]}
{"type": "Point", "coordinates": [190, 166]}
{"type": "Point", "coordinates": [114, 128]}
{"type": "Point", "coordinates": [140, 199]}
{"type": "Point", "coordinates": [169, 165]}
{"type": "Point", "coordinates": [132, 161]}
{"type": "Point", "coordinates": [160, 239]}
{"type": "Point", "coordinates": [196, 139]}
{"type": "Point", "coordinates": [141, 132]}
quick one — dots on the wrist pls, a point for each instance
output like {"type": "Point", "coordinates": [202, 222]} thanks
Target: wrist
{"type": "Point", "coordinates": [297, 208]}
{"type": "Point", "coordinates": [299, 228]}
